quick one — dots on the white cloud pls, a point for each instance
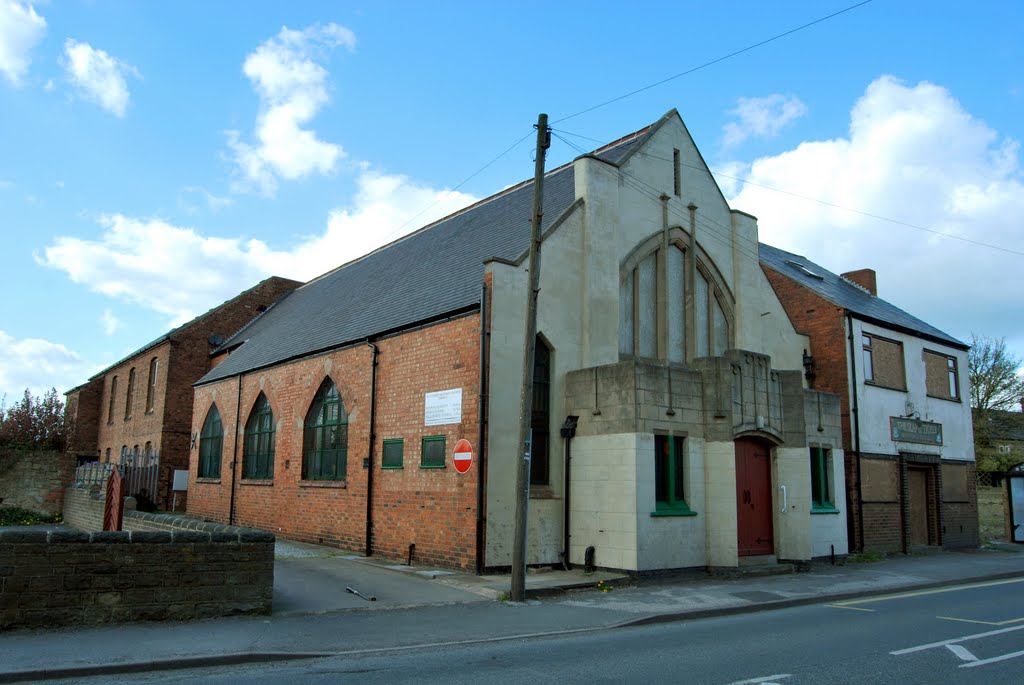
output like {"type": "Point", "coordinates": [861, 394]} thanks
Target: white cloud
{"type": "Point", "coordinates": [913, 154]}
{"type": "Point", "coordinates": [761, 117]}
{"type": "Point", "coordinates": [109, 322]}
{"type": "Point", "coordinates": [97, 76]}
{"type": "Point", "coordinates": [38, 365]}
{"type": "Point", "coordinates": [20, 30]}
{"type": "Point", "coordinates": [180, 273]}
{"type": "Point", "coordinates": [292, 86]}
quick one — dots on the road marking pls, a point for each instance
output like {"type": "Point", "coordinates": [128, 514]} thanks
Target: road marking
{"type": "Point", "coordinates": [955, 640]}
{"type": "Point", "coordinates": [763, 680]}
{"type": "Point", "coordinates": [920, 593]}
{"type": "Point", "coordinates": [994, 659]}
{"type": "Point", "coordinates": [962, 652]}
{"type": "Point", "coordinates": [841, 606]}
{"type": "Point", "coordinates": [984, 623]}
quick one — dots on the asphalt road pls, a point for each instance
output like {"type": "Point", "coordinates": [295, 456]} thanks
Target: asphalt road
{"type": "Point", "coordinates": [967, 634]}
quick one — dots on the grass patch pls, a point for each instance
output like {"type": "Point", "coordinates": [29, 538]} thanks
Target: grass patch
{"type": "Point", "coordinates": [16, 516]}
{"type": "Point", "coordinates": [865, 558]}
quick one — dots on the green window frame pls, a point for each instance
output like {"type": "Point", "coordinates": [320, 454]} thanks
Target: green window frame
{"type": "Point", "coordinates": [822, 490]}
{"type": "Point", "coordinates": [432, 452]}
{"type": "Point", "coordinates": [211, 444]}
{"type": "Point", "coordinates": [391, 457]}
{"type": "Point", "coordinates": [258, 454]}
{"type": "Point", "coordinates": [670, 477]}
{"type": "Point", "coordinates": [325, 438]}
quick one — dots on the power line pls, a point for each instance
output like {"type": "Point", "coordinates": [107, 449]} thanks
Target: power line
{"type": "Point", "coordinates": [714, 61]}
{"type": "Point", "coordinates": [806, 198]}
{"type": "Point", "coordinates": [456, 188]}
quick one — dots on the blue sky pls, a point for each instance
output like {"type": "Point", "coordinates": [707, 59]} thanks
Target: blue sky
{"type": "Point", "coordinates": [158, 158]}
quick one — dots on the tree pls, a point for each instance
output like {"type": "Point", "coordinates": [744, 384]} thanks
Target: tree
{"type": "Point", "coordinates": [994, 374]}
{"type": "Point", "coordinates": [34, 422]}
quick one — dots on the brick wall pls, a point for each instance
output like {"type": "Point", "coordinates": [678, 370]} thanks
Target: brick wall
{"type": "Point", "coordinates": [64, 577]}
{"type": "Point", "coordinates": [993, 514]}
{"type": "Point", "coordinates": [82, 416]}
{"type": "Point", "coordinates": [35, 479]}
{"type": "Point", "coordinates": [182, 359]}
{"type": "Point", "coordinates": [435, 509]}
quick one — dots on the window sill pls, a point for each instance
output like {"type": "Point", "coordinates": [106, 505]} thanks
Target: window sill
{"type": "Point", "coordinates": [392, 468]}
{"type": "Point", "coordinates": [673, 512]}
{"type": "Point", "coordinates": [210, 481]}
{"type": "Point", "coordinates": [433, 466]}
{"type": "Point", "coordinates": [339, 484]}
{"type": "Point", "coordinates": [824, 510]}
{"type": "Point", "coordinates": [261, 482]}
{"type": "Point", "coordinates": [875, 384]}
{"type": "Point", "coordinates": [948, 399]}
{"type": "Point", "coordinates": [149, 412]}
{"type": "Point", "coordinates": [541, 491]}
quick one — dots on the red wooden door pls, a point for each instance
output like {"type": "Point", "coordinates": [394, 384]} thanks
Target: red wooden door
{"type": "Point", "coordinates": [754, 498]}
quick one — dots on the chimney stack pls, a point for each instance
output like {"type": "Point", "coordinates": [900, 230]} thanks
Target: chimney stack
{"type": "Point", "coordinates": [865, 278]}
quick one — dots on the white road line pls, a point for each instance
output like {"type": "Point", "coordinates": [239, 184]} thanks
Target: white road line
{"type": "Point", "coordinates": [763, 680]}
{"type": "Point", "coordinates": [994, 659]}
{"type": "Point", "coordinates": [953, 641]}
{"type": "Point", "coordinates": [962, 652]}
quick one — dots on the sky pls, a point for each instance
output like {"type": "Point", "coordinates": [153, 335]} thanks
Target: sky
{"type": "Point", "coordinates": [158, 158]}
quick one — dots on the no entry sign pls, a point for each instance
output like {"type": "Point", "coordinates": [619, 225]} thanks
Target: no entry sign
{"type": "Point", "coordinates": [462, 456]}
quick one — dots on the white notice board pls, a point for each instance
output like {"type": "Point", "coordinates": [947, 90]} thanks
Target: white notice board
{"type": "Point", "coordinates": [442, 407]}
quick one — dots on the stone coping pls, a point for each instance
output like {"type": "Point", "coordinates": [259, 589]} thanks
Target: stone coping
{"type": "Point", "coordinates": [228, 534]}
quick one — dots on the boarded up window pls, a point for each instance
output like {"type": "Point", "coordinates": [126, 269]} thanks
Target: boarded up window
{"type": "Point", "coordinates": [954, 483]}
{"type": "Point", "coordinates": [941, 375]}
{"type": "Point", "coordinates": [880, 480]}
{"type": "Point", "coordinates": [886, 362]}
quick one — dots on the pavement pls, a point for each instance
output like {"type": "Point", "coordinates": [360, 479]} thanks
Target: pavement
{"type": "Point", "coordinates": [396, 606]}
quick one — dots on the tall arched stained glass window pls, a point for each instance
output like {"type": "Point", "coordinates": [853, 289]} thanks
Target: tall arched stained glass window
{"type": "Point", "coordinates": [325, 440]}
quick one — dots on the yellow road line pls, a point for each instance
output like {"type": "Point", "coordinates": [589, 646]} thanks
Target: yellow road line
{"type": "Point", "coordinates": [920, 593]}
{"type": "Point", "coordinates": [984, 623]}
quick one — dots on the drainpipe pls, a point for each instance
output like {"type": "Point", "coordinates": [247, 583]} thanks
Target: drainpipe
{"type": "Point", "coordinates": [481, 420]}
{"type": "Point", "coordinates": [234, 457]}
{"type": "Point", "coordinates": [369, 458]}
{"type": "Point", "coordinates": [568, 432]}
{"type": "Point", "coordinates": [856, 432]}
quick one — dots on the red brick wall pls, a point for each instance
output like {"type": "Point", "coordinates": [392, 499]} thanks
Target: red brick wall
{"type": "Point", "coordinates": [82, 416]}
{"type": "Point", "coordinates": [183, 359]}
{"type": "Point", "coordinates": [435, 509]}
{"type": "Point", "coordinates": [117, 431]}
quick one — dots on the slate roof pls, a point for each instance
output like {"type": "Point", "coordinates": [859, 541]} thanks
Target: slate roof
{"type": "Point", "coordinates": [1003, 425]}
{"type": "Point", "coordinates": [434, 272]}
{"type": "Point", "coordinates": [850, 297]}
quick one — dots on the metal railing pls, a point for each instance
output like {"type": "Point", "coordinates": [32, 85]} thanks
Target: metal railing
{"type": "Point", "coordinates": [140, 471]}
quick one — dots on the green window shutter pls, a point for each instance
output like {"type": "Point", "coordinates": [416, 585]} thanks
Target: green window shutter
{"type": "Point", "coordinates": [433, 453]}
{"type": "Point", "coordinates": [392, 457]}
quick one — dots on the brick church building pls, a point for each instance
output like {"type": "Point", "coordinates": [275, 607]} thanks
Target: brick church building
{"type": "Point", "coordinates": [673, 426]}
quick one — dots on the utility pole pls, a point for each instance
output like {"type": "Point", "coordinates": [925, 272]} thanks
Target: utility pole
{"type": "Point", "coordinates": [518, 592]}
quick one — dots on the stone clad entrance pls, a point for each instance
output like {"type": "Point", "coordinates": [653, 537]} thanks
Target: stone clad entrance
{"type": "Point", "coordinates": [754, 498]}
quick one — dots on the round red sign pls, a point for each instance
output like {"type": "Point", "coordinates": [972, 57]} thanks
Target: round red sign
{"type": "Point", "coordinates": [462, 456]}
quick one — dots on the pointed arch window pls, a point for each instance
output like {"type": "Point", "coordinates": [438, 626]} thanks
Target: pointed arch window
{"type": "Point", "coordinates": [211, 442]}
{"type": "Point", "coordinates": [154, 366]}
{"type": "Point", "coordinates": [325, 440]}
{"type": "Point", "coordinates": [258, 457]}
{"type": "Point", "coordinates": [664, 300]}
{"type": "Point", "coordinates": [540, 418]}
{"type": "Point", "coordinates": [130, 396]}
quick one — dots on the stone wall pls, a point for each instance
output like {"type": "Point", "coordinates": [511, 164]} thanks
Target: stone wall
{"type": "Point", "coordinates": [64, 577]}
{"type": "Point", "coordinates": [35, 479]}
{"type": "Point", "coordinates": [992, 513]}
